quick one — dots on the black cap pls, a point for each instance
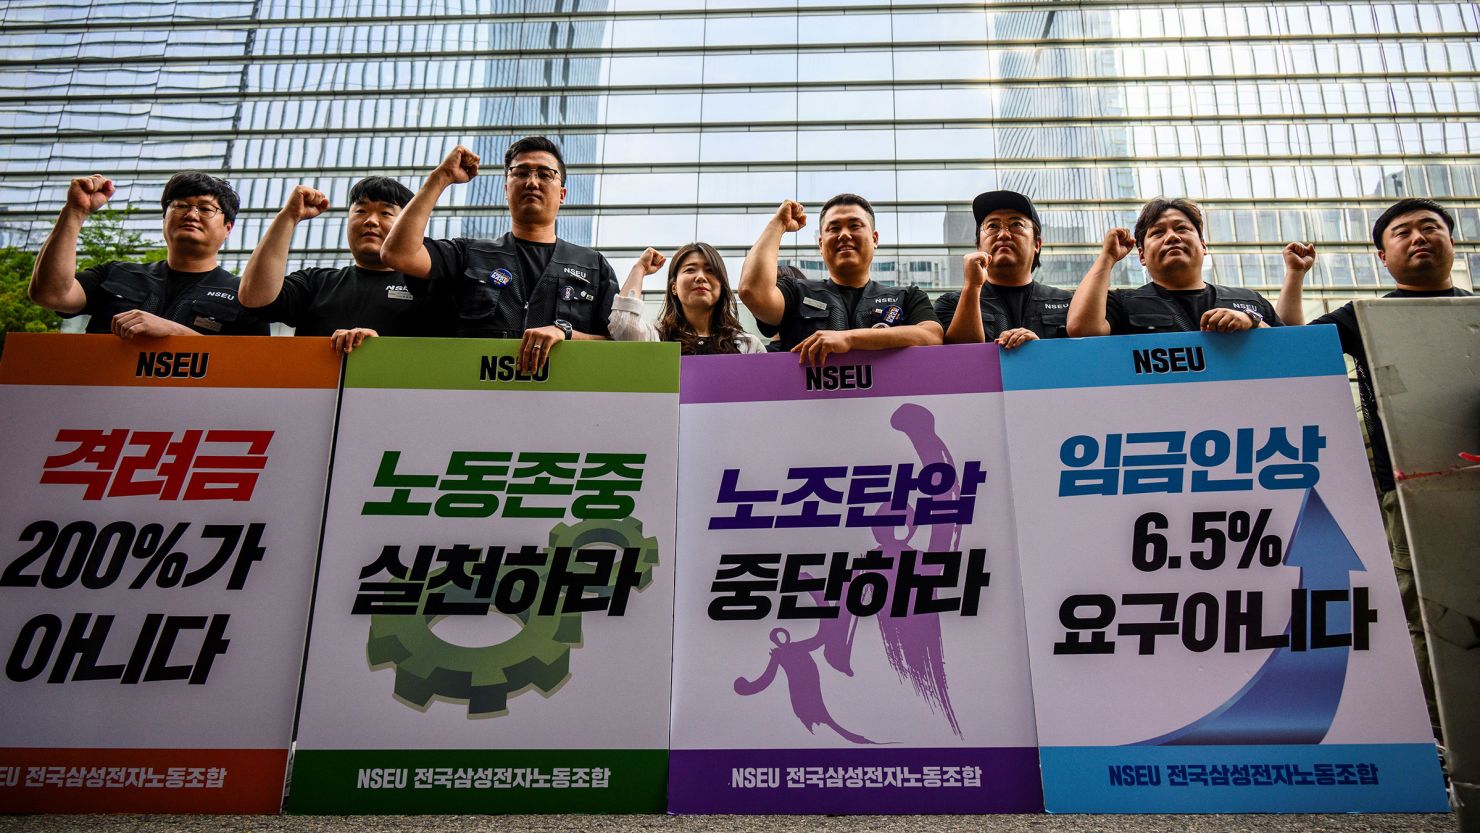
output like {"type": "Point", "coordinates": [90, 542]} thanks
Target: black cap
{"type": "Point", "coordinates": [985, 204]}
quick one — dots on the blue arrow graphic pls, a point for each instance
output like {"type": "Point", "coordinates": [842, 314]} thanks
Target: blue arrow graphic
{"type": "Point", "coordinates": [1293, 696]}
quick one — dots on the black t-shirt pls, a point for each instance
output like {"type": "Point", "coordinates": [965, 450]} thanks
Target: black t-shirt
{"type": "Point", "coordinates": [316, 302]}
{"type": "Point", "coordinates": [1193, 303]}
{"type": "Point", "coordinates": [917, 308]}
{"type": "Point", "coordinates": [1176, 307]}
{"type": "Point", "coordinates": [1350, 333]}
{"type": "Point", "coordinates": [534, 258]}
{"type": "Point", "coordinates": [1014, 300]}
{"type": "Point", "coordinates": [203, 301]}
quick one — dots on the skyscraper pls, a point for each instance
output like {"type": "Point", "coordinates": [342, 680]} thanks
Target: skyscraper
{"type": "Point", "coordinates": [693, 119]}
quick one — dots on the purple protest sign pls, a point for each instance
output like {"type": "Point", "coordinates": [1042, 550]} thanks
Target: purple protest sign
{"type": "Point", "coordinates": [849, 631]}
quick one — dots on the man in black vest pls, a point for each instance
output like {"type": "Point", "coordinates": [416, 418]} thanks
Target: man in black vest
{"type": "Point", "coordinates": [999, 300]}
{"type": "Point", "coordinates": [1169, 237]}
{"type": "Point", "coordinates": [848, 311]}
{"type": "Point", "coordinates": [350, 303]}
{"type": "Point", "coordinates": [527, 284]}
{"type": "Point", "coordinates": [187, 293]}
{"type": "Point", "coordinates": [1415, 241]}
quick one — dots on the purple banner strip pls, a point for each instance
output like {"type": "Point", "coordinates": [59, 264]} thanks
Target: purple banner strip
{"type": "Point", "coordinates": [772, 377]}
{"type": "Point", "coordinates": [856, 781]}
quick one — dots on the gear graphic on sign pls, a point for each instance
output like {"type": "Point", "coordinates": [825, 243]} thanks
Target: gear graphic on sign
{"type": "Point", "coordinates": [428, 666]}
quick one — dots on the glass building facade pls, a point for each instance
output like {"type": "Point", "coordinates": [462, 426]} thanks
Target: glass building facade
{"type": "Point", "coordinates": [693, 119]}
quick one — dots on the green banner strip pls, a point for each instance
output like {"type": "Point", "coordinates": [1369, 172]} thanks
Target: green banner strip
{"type": "Point", "coordinates": [478, 781]}
{"type": "Point", "coordinates": [489, 364]}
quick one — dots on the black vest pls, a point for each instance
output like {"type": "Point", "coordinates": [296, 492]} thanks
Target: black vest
{"type": "Point", "coordinates": [209, 306]}
{"type": "Point", "coordinates": [1046, 313]}
{"type": "Point", "coordinates": [1151, 309]}
{"type": "Point", "coordinates": [821, 307]}
{"type": "Point", "coordinates": [490, 295]}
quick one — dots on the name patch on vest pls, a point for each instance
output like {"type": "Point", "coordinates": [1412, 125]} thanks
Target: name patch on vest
{"type": "Point", "coordinates": [398, 293]}
{"type": "Point", "coordinates": [813, 303]}
{"type": "Point", "coordinates": [204, 323]}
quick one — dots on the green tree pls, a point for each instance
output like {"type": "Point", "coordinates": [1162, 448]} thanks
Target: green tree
{"type": "Point", "coordinates": [105, 237]}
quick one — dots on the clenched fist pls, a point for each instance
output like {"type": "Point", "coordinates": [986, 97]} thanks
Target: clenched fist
{"type": "Point", "coordinates": [974, 269]}
{"type": "Point", "coordinates": [1300, 257]}
{"type": "Point", "coordinates": [1118, 243]}
{"type": "Point", "coordinates": [88, 193]}
{"type": "Point", "coordinates": [651, 260]}
{"type": "Point", "coordinates": [791, 216]}
{"type": "Point", "coordinates": [460, 165]}
{"type": "Point", "coordinates": [305, 203]}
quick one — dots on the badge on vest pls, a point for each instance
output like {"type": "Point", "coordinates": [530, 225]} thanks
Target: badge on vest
{"type": "Point", "coordinates": [892, 314]}
{"type": "Point", "coordinates": [568, 293]}
{"type": "Point", "coordinates": [500, 277]}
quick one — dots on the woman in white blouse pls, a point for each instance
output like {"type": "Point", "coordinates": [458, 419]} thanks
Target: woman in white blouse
{"type": "Point", "coordinates": [698, 306]}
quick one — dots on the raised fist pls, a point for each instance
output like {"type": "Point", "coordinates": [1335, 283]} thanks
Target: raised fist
{"type": "Point", "coordinates": [87, 194]}
{"type": "Point", "coordinates": [791, 216]}
{"type": "Point", "coordinates": [305, 203]}
{"type": "Point", "coordinates": [1118, 243]}
{"type": "Point", "coordinates": [1300, 257]}
{"type": "Point", "coordinates": [974, 269]}
{"type": "Point", "coordinates": [460, 165]}
{"type": "Point", "coordinates": [651, 260]}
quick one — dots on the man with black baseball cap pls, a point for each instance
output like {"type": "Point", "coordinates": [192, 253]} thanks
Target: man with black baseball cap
{"type": "Point", "coordinates": [998, 280]}
{"type": "Point", "coordinates": [1415, 241]}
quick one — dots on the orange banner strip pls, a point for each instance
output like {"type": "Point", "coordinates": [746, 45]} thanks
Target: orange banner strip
{"type": "Point", "coordinates": [252, 782]}
{"type": "Point", "coordinates": [174, 362]}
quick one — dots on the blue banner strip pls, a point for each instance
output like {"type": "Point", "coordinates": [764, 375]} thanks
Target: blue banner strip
{"type": "Point", "coordinates": [1171, 358]}
{"type": "Point", "coordinates": [1360, 778]}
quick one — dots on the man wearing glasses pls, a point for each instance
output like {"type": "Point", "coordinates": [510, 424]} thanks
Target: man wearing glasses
{"type": "Point", "coordinates": [527, 284]}
{"type": "Point", "coordinates": [998, 280]}
{"type": "Point", "coordinates": [187, 293]}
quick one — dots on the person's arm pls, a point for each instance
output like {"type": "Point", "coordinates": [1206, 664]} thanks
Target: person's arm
{"type": "Point", "coordinates": [262, 279]}
{"type": "Point", "coordinates": [757, 290]}
{"type": "Point", "coordinates": [966, 324]}
{"type": "Point", "coordinates": [1087, 310]}
{"type": "Point", "coordinates": [1299, 259]}
{"type": "Point", "coordinates": [627, 322]}
{"type": "Point", "coordinates": [1222, 320]}
{"type": "Point", "coordinates": [403, 249]}
{"type": "Point", "coordinates": [537, 342]}
{"type": "Point", "coordinates": [54, 279]}
{"type": "Point", "coordinates": [921, 328]}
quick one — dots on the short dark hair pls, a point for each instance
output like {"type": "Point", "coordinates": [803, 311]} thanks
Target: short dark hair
{"type": "Point", "coordinates": [849, 199]}
{"type": "Point", "coordinates": [380, 189]}
{"type": "Point", "coordinates": [1408, 206]}
{"type": "Point", "coordinates": [1153, 210]}
{"type": "Point", "coordinates": [197, 184]}
{"type": "Point", "coordinates": [535, 144]}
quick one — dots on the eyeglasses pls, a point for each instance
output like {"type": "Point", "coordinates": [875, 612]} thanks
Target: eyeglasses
{"type": "Point", "coordinates": [995, 228]}
{"type": "Point", "coordinates": [525, 172]}
{"type": "Point", "coordinates": [183, 209]}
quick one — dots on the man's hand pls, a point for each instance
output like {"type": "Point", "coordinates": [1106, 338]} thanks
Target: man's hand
{"type": "Point", "coordinates": [534, 350]}
{"type": "Point", "coordinates": [1009, 339]}
{"type": "Point", "coordinates": [460, 165]}
{"type": "Point", "coordinates": [1300, 258]}
{"type": "Point", "coordinates": [137, 323]}
{"type": "Point", "coordinates": [791, 216]}
{"type": "Point", "coordinates": [974, 269]}
{"type": "Point", "coordinates": [818, 346]}
{"type": "Point", "coordinates": [1226, 321]}
{"type": "Point", "coordinates": [1118, 243]}
{"type": "Point", "coordinates": [345, 341]}
{"type": "Point", "coordinates": [651, 260]}
{"type": "Point", "coordinates": [87, 194]}
{"type": "Point", "coordinates": [305, 203]}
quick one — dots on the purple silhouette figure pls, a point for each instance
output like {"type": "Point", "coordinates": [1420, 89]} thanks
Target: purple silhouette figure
{"type": "Point", "coordinates": [912, 644]}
